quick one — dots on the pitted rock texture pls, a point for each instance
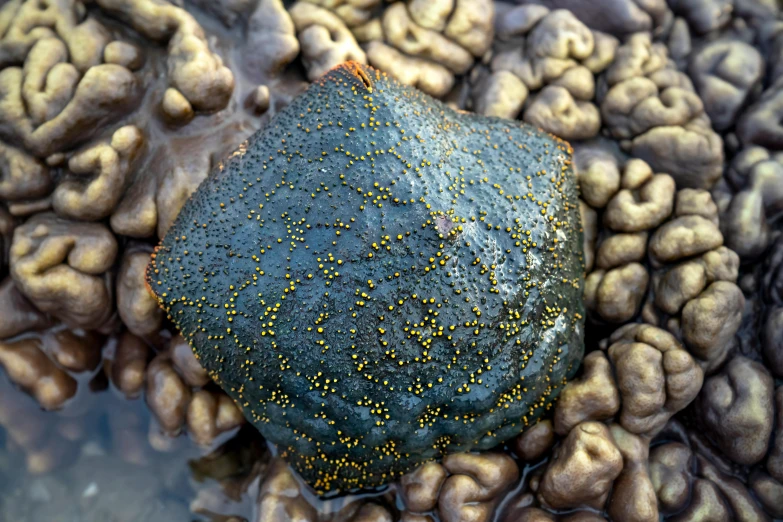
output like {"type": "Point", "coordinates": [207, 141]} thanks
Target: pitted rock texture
{"type": "Point", "coordinates": [379, 281]}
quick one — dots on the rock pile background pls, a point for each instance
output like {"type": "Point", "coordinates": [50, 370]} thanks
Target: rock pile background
{"type": "Point", "coordinates": [112, 112]}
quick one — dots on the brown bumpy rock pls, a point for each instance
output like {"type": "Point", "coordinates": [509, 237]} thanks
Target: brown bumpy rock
{"type": "Point", "coordinates": [129, 365]}
{"type": "Point", "coordinates": [670, 472]}
{"type": "Point", "coordinates": [736, 406]}
{"type": "Point", "coordinates": [137, 307]}
{"type": "Point", "coordinates": [475, 485]}
{"type": "Point", "coordinates": [583, 469]}
{"type": "Point", "coordinates": [105, 167]}
{"type": "Point", "coordinates": [28, 367]}
{"type": "Point", "coordinates": [592, 397]}
{"type": "Point", "coordinates": [655, 112]}
{"type": "Point", "coordinates": [63, 267]}
{"type": "Point", "coordinates": [552, 57]}
{"type": "Point", "coordinates": [536, 441]}
{"type": "Point", "coordinates": [655, 375]}
{"type": "Point", "coordinates": [633, 496]}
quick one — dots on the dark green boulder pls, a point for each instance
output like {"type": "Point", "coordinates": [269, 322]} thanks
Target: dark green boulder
{"type": "Point", "coordinates": [378, 280]}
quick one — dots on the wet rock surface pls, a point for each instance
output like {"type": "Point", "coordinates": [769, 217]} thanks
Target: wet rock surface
{"type": "Point", "coordinates": [344, 276]}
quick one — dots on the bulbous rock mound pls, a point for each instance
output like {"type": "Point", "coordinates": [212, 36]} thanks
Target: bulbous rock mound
{"type": "Point", "coordinates": [379, 281]}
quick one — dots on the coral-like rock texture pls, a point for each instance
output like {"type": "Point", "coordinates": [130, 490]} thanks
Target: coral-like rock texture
{"type": "Point", "coordinates": [379, 281]}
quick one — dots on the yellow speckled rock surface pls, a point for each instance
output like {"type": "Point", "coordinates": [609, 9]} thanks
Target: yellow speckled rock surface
{"type": "Point", "coordinates": [379, 281]}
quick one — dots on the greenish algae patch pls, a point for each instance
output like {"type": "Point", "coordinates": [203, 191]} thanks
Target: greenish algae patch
{"type": "Point", "coordinates": [379, 281]}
